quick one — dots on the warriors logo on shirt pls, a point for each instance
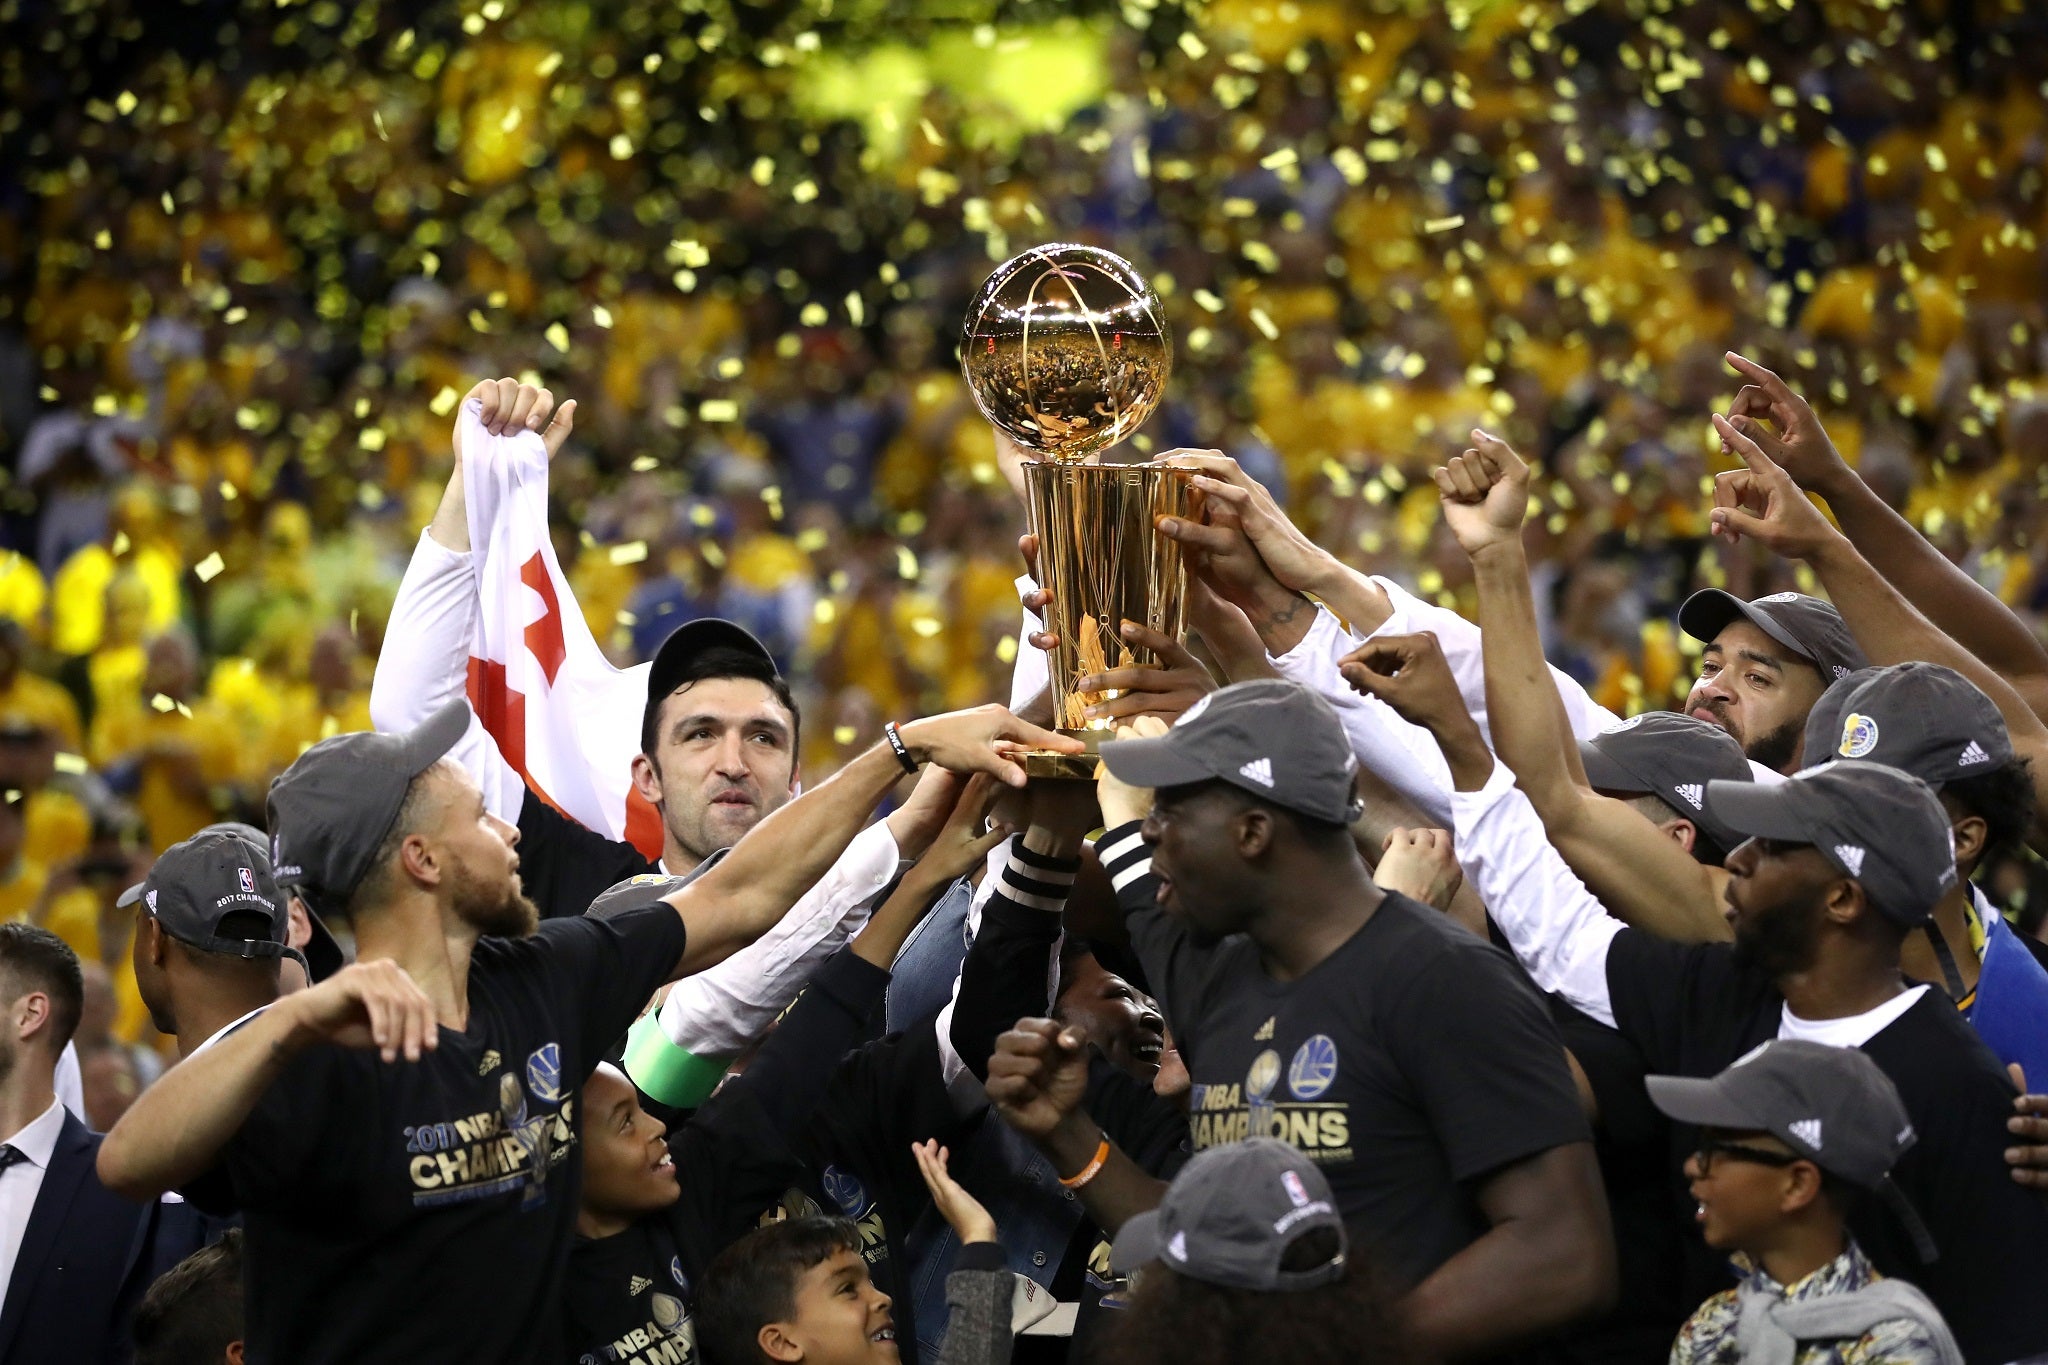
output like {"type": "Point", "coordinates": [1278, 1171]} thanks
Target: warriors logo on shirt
{"type": "Point", "coordinates": [844, 1189]}
{"type": "Point", "coordinates": [1313, 1069]}
{"type": "Point", "coordinates": [544, 1073]}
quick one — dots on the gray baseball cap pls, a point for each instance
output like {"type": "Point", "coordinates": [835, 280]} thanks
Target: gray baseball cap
{"type": "Point", "coordinates": [1807, 626]}
{"type": "Point", "coordinates": [1275, 739]}
{"type": "Point", "coordinates": [1873, 823]}
{"type": "Point", "coordinates": [1921, 718]}
{"type": "Point", "coordinates": [1832, 1105]}
{"type": "Point", "coordinates": [323, 956]}
{"type": "Point", "coordinates": [330, 811]}
{"type": "Point", "coordinates": [1230, 1215]}
{"type": "Point", "coordinates": [1671, 757]}
{"type": "Point", "coordinates": [195, 884]}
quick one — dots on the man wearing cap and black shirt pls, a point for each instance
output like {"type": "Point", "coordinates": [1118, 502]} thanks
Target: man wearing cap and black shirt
{"type": "Point", "coordinates": [368, 1184]}
{"type": "Point", "coordinates": [719, 742]}
{"type": "Point", "coordinates": [1843, 861]}
{"type": "Point", "coordinates": [1936, 724]}
{"type": "Point", "coordinates": [1765, 665]}
{"type": "Point", "coordinates": [1790, 1139]}
{"type": "Point", "coordinates": [210, 948]}
{"type": "Point", "coordinates": [1354, 1023]}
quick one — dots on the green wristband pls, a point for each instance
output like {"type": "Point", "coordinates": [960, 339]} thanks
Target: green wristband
{"type": "Point", "coordinates": [673, 1075]}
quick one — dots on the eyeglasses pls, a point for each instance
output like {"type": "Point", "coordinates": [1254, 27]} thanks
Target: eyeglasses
{"type": "Point", "coordinates": [1710, 1148]}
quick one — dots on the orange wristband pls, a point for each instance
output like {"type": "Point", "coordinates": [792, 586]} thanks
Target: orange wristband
{"type": "Point", "coordinates": [1091, 1170]}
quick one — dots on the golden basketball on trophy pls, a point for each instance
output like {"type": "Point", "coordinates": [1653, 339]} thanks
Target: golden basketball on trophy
{"type": "Point", "coordinates": [1066, 351]}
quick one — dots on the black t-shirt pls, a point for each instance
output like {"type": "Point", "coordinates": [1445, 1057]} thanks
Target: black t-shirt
{"type": "Point", "coordinates": [424, 1210]}
{"type": "Point", "coordinates": [629, 1299]}
{"type": "Point", "coordinates": [630, 1294]}
{"type": "Point", "coordinates": [1409, 1064]}
{"type": "Point", "coordinates": [565, 866]}
{"type": "Point", "coordinates": [1692, 1011]}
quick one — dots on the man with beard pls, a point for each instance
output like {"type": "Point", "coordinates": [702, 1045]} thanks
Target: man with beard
{"type": "Point", "coordinates": [1765, 665]}
{"type": "Point", "coordinates": [423, 1210]}
{"type": "Point", "coordinates": [1404, 1056]}
{"type": "Point", "coordinates": [1842, 862]}
{"type": "Point", "coordinates": [719, 735]}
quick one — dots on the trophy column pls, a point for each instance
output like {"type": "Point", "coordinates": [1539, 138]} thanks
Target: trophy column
{"type": "Point", "coordinates": [1105, 563]}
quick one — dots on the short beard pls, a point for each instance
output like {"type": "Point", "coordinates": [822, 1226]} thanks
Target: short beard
{"type": "Point", "coordinates": [1777, 942]}
{"type": "Point", "coordinates": [1777, 749]}
{"type": "Point", "coordinates": [503, 911]}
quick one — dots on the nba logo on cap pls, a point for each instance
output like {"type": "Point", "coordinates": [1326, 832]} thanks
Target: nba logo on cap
{"type": "Point", "coordinates": [1296, 1191]}
{"type": "Point", "coordinates": [248, 879]}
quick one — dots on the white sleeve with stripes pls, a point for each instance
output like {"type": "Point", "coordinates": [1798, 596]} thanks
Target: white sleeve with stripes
{"type": "Point", "coordinates": [1026, 879]}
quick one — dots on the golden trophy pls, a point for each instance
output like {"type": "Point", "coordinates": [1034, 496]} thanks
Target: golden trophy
{"type": "Point", "coordinates": [1066, 352]}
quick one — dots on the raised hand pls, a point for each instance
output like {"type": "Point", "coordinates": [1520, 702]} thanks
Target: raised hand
{"type": "Point", "coordinates": [1164, 689]}
{"type": "Point", "coordinates": [1762, 501]}
{"type": "Point", "coordinates": [1037, 1075]}
{"type": "Point", "coordinates": [962, 844]}
{"type": "Point", "coordinates": [1408, 673]}
{"type": "Point", "coordinates": [1799, 444]}
{"type": "Point", "coordinates": [1485, 493]}
{"type": "Point", "coordinates": [1420, 864]}
{"type": "Point", "coordinates": [509, 405]}
{"type": "Point", "coordinates": [985, 739]}
{"type": "Point", "coordinates": [369, 1005]}
{"type": "Point", "coordinates": [962, 1211]}
{"type": "Point", "coordinates": [1121, 802]}
{"type": "Point", "coordinates": [1296, 561]}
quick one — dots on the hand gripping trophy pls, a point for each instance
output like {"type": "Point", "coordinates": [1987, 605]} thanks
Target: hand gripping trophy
{"type": "Point", "coordinates": [1066, 352]}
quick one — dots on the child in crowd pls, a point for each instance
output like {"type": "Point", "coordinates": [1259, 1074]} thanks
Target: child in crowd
{"type": "Point", "coordinates": [1792, 1137]}
{"type": "Point", "coordinates": [798, 1291]}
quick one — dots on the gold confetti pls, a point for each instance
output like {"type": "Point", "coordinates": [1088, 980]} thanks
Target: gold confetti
{"type": "Point", "coordinates": [1265, 324]}
{"type": "Point", "coordinates": [718, 410]}
{"type": "Point", "coordinates": [631, 553]}
{"type": "Point", "coordinates": [443, 402]}
{"type": "Point", "coordinates": [558, 337]}
{"type": "Point", "coordinates": [1456, 220]}
{"type": "Point", "coordinates": [74, 764]}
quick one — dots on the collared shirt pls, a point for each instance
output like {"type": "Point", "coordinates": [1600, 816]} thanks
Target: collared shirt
{"type": "Point", "coordinates": [1709, 1337]}
{"type": "Point", "coordinates": [23, 1181]}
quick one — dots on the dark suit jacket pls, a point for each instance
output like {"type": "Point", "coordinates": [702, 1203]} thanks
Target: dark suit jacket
{"type": "Point", "coordinates": [63, 1302]}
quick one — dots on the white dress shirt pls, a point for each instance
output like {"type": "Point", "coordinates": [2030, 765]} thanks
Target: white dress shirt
{"type": "Point", "coordinates": [21, 1182]}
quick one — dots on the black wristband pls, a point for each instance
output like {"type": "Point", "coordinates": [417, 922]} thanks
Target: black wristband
{"type": "Point", "coordinates": [896, 743]}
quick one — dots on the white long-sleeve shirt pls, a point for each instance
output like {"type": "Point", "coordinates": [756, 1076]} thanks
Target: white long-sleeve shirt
{"type": "Point", "coordinates": [424, 664]}
{"type": "Point", "coordinates": [1403, 755]}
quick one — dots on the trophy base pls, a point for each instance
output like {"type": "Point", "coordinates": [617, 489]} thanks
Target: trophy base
{"type": "Point", "coordinates": [1043, 765]}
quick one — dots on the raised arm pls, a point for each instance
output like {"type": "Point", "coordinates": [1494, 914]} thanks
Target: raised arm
{"type": "Point", "coordinates": [1036, 1081]}
{"type": "Point", "coordinates": [1553, 925]}
{"type": "Point", "coordinates": [755, 884]}
{"type": "Point", "coordinates": [424, 663]}
{"type": "Point", "coordinates": [1630, 865]}
{"type": "Point", "coordinates": [1762, 502]}
{"type": "Point", "coordinates": [178, 1128]}
{"type": "Point", "coordinates": [1795, 440]}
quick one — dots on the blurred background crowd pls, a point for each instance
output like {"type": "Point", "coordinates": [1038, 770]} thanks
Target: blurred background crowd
{"type": "Point", "coordinates": [251, 253]}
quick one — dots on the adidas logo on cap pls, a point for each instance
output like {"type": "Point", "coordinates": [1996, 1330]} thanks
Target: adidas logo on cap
{"type": "Point", "coordinates": [1807, 1131]}
{"type": "Point", "coordinates": [1973, 753]}
{"type": "Point", "coordinates": [1259, 770]}
{"type": "Point", "coordinates": [1693, 794]}
{"type": "Point", "coordinates": [1852, 858]}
